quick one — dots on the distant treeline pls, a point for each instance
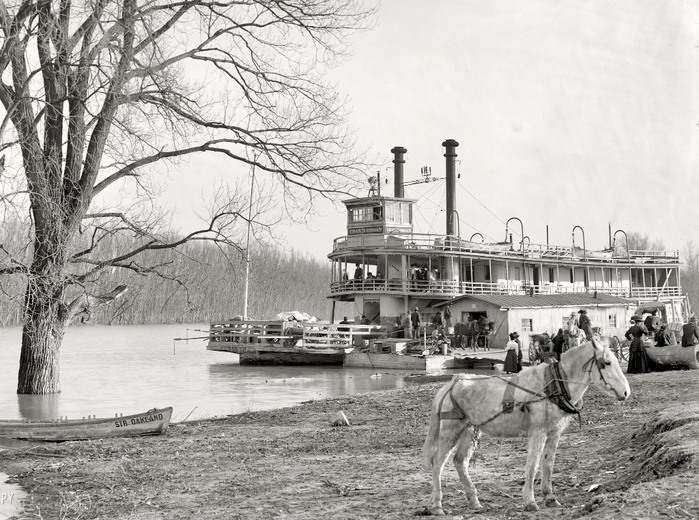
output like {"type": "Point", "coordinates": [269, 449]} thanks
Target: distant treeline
{"type": "Point", "coordinates": [203, 283]}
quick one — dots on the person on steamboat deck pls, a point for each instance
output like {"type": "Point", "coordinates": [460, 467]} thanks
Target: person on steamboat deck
{"type": "Point", "coordinates": [358, 274]}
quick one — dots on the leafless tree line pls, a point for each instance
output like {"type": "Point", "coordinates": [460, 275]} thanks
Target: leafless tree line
{"type": "Point", "coordinates": [198, 284]}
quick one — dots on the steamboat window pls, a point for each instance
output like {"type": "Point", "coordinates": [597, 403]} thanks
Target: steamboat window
{"type": "Point", "coordinates": [366, 214]}
{"type": "Point", "coordinates": [552, 275]}
{"type": "Point", "coordinates": [397, 212]}
{"type": "Point", "coordinates": [611, 321]}
{"type": "Point", "coordinates": [486, 273]}
{"type": "Point", "coordinates": [527, 325]}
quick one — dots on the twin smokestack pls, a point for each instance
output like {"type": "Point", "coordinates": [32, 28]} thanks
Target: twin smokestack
{"type": "Point", "coordinates": [450, 153]}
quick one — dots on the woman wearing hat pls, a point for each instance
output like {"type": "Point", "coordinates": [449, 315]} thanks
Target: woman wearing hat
{"type": "Point", "coordinates": [513, 356]}
{"type": "Point", "coordinates": [638, 361]}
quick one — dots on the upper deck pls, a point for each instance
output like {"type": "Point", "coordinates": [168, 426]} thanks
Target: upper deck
{"type": "Point", "coordinates": [387, 256]}
{"type": "Point", "coordinates": [440, 245]}
{"type": "Point", "coordinates": [460, 266]}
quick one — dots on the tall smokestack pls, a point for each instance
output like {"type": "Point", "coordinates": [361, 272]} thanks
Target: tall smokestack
{"type": "Point", "coordinates": [450, 154]}
{"type": "Point", "coordinates": [398, 162]}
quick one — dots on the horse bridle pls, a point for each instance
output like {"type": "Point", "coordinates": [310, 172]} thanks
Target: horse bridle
{"type": "Point", "coordinates": [599, 362]}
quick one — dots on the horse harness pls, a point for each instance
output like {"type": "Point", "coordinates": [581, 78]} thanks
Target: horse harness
{"type": "Point", "coordinates": [555, 390]}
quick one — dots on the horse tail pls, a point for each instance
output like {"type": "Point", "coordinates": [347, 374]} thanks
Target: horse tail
{"type": "Point", "coordinates": [431, 444]}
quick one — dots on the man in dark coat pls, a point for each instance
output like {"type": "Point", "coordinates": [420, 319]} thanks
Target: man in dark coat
{"type": "Point", "coordinates": [690, 333]}
{"type": "Point", "coordinates": [663, 337]}
{"type": "Point", "coordinates": [585, 324]}
{"type": "Point", "coordinates": [358, 272]}
{"type": "Point", "coordinates": [558, 341]}
{"type": "Point", "coordinates": [437, 320]}
{"type": "Point", "coordinates": [415, 320]}
{"type": "Point", "coordinates": [652, 322]}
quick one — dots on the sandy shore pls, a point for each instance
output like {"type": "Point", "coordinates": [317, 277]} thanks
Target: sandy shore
{"type": "Point", "coordinates": [629, 460]}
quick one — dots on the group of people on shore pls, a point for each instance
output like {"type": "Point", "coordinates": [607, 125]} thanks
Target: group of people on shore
{"type": "Point", "coordinates": [653, 328]}
{"type": "Point", "coordinates": [413, 324]}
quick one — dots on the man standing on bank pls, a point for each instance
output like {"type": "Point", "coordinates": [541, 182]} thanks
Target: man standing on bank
{"type": "Point", "coordinates": [690, 333]}
{"type": "Point", "coordinates": [652, 323]}
{"type": "Point", "coordinates": [585, 324]}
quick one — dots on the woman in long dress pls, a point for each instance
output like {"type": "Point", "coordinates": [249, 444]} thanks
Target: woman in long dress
{"type": "Point", "coordinates": [511, 361]}
{"type": "Point", "coordinates": [638, 360]}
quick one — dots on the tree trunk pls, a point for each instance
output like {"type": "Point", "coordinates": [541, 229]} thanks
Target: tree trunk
{"type": "Point", "coordinates": [42, 334]}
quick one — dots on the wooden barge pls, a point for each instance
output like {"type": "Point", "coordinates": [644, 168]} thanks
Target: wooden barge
{"type": "Point", "coordinates": [277, 342]}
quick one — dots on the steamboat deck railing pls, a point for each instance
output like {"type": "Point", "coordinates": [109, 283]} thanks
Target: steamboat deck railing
{"type": "Point", "coordinates": [453, 288]}
{"type": "Point", "coordinates": [307, 335]}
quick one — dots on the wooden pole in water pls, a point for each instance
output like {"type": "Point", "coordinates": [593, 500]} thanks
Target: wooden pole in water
{"type": "Point", "coordinates": [247, 244]}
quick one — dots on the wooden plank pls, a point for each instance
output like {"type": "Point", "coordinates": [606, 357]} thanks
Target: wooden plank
{"type": "Point", "coordinates": [397, 361]}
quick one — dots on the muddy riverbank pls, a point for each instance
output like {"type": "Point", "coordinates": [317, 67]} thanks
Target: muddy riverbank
{"type": "Point", "coordinates": [629, 460]}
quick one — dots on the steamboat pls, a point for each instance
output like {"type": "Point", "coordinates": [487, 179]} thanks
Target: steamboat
{"type": "Point", "coordinates": [387, 271]}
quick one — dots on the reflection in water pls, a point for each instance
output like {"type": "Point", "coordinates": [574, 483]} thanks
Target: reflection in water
{"type": "Point", "coordinates": [36, 407]}
{"type": "Point", "coordinates": [266, 387]}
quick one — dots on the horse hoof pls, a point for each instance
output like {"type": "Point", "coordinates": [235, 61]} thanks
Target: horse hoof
{"type": "Point", "coordinates": [475, 505]}
{"type": "Point", "coordinates": [531, 506]}
{"type": "Point", "coordinates": [437, 511]}
{"type": "Point", "coordinates": [552, 502]}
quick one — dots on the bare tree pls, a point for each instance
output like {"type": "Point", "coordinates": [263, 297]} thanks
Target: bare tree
{"type": "Point", "coordinates": [690, 274]}
{"type": "Point", "coordinates": [636, 242]}
{"type": "Point", "coordinates": [100, 96]}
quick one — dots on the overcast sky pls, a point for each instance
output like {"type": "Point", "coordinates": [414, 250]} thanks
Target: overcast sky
{"type": "Point", "coordinates": [567, 113]}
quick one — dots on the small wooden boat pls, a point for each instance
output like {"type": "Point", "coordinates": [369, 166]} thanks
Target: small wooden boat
{"type": "Point", "coordinates": [152, 422]}
{"type": "Point", "coordinates": [674, 356]}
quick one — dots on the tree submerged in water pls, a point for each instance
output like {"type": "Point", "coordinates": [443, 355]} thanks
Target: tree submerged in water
{"type": "Point", "coordinates": [100, 96]}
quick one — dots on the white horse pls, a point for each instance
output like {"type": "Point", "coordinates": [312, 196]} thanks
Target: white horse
{"type": "Point", "coordinates": [538, 402]}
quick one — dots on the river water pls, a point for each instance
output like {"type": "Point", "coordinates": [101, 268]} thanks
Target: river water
{"type": "Point", "coordinates": [128, 369]}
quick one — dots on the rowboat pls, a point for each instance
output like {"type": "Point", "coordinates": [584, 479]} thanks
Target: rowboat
{"type": "Point", "coordinates": [674, 356]}
{"type": "Point", "coordinates": [152, 422]}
